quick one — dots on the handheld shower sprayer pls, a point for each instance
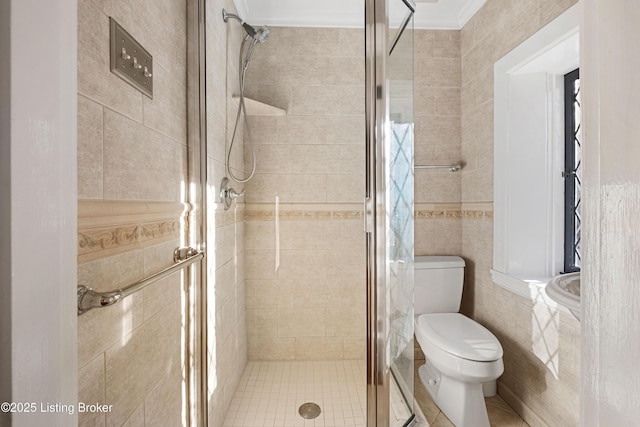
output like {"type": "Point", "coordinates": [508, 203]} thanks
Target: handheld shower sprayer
{"type": "Point", "coordinates": [259, 34]}
{"type": "Point", "coordinates": [253, 37]}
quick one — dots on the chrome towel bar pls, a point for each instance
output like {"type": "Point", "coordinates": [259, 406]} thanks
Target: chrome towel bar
{"type": "Point", "coordinates": [452, 168]}
{"type": "Point", "coordinates": [88, 298]}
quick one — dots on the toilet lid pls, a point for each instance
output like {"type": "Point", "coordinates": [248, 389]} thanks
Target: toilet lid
{"type": "Point", "coordinates": [457, 334]}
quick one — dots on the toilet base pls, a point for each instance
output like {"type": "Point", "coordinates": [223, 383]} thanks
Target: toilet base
{"type": "Point", "coordinates": [490, 388]}
{"type": "Point", "coordinates": [463, 403]}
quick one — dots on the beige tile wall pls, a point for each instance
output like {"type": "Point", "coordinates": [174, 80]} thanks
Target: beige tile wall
{"type": "Point", "coordinates": [226, 324]}
{"type": "Point", "coordinates": [437, 123]}
{"type": "Point", "coordinates": [313, 306]}
{"type": "Point", "coordinates": [312, 158]}
{"type": "Point", "coordinates": [314, 155]}
{"type": "Point", "coordinates": [130, 352]}
{"type": "Point", "coordinates": [541, 345]}
{"type": "Point", "coordinates": [132, 148]}
{"type": "Point", "coordinates": [124, 135]}
{"type": "Point", "coordinates": [437, 228]}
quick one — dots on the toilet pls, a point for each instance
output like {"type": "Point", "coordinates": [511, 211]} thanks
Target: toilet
{"type": "Point", "coordinates": [463, 358]}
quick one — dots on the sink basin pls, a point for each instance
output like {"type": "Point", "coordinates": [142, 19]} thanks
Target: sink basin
{"type": "Point", "coordinates": [565, 290]}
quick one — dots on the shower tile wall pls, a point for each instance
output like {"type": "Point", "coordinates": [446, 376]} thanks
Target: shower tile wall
{"type": "Point", "coordinates": [132, 155]}
{"type": "Point", "coordinates": [312, 158]}
{"type": "Point", "coordinates": [227, 336]}
{"type": "Point", "coordinates": [542, 345]}
{"type": "Point", "coordinates": [437, 142]}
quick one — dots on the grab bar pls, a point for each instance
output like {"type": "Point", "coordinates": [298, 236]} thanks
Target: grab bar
{"type": "Point", "coordinates": [453, 168]}
{"type": "Point", "coordinates": [88, 298]}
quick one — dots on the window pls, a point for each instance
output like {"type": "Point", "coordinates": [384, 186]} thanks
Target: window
{"type": "Point", "coordinates": [530, 134]}
{"type": "Point", "coordinates": [572, 172]}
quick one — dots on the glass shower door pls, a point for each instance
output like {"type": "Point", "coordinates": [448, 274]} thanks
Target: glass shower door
{"type": "Point", "coordinates": [389, 212]}
{"type": "Point", "coordinates": [399, 201]}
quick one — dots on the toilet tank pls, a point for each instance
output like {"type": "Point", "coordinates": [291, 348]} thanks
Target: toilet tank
{"type": "Point", "coordinates": [438, 284]}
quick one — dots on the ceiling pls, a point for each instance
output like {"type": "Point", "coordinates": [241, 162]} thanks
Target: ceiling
{"type": "Point", "coordinates": [442, 14]}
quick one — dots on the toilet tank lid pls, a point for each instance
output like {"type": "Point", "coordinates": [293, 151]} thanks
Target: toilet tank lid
{"type": "Point", "coordinates": [438, 262]}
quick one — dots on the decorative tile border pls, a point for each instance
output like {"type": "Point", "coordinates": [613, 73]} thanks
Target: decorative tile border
{"type": "Point", "coordinates": [437, 214]}
{"type": "Point", "coordinates": [302, 215]}
{"type": "Point", "coordinates": [109, 227]}
{"type": "Point", "coordinates": [478, 210]}
{"type": "Point", "coordinates": [93, 241]}
{"type": "Point", "coordinates": [478, 214]}
{"type": "Point", "coordinates": [325, 215]}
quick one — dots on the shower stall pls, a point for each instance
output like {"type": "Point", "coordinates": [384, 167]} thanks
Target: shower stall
{"type": "Point", "coordinates": [305, 165]}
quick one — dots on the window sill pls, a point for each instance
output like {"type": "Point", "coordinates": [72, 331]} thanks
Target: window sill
{"type": "Point", "coordinates": [531, 288]}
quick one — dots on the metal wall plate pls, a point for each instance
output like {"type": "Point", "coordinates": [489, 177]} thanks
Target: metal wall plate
{"type": "Point", "coordinates": [130, 60]}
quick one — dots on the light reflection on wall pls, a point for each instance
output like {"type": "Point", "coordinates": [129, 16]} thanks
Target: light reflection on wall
{"type": "Point", "coordinates": [545, 326]}
{"type": "Point", "coordinates": [212, 379]}
{"type": "Point", "coordinates": [186, 307]}
{"type": "Point", "coordinates": [184, 362]}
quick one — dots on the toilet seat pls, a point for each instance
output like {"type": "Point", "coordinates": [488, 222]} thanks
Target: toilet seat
{"type": "Point", "coordinates": [456, 334]}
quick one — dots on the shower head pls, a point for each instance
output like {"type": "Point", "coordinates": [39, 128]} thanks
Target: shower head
{"type": "Point", "coordinates": [260, 35]}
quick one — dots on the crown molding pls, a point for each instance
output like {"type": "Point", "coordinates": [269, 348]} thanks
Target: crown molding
{"type": "Point", "coordinates": [467, 11]}
{"type": "Point", "coordinates": [434, 16]}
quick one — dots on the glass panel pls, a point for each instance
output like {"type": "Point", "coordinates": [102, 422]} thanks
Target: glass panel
{"type": "Point", "coordinates": [573, 173]}
{"type": "Point", "coordinates": [399, 208]}
{"type": "Point", "coordinates": [577, 160]}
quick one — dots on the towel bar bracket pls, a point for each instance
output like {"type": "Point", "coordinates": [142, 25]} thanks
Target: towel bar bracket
{"type": "Point", "coordinates": [452, 168]}
{"type": "Point", "coordinates": [89, 299]}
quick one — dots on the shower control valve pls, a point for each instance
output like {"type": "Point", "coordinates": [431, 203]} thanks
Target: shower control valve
{"type": "Point", "coordinates": [233, 194]}
{"type": "Point", "coordinates": [125, 55]}
{"type": "Point", "coordinates": [136, 65]}
{"type": "Point", "coordinates": [228, 193]}
{"type": "Point", "coordinates": [146, 72]}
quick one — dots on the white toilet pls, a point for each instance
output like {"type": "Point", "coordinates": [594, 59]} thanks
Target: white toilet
{"type": "Point", "coordinates": [464, 359]}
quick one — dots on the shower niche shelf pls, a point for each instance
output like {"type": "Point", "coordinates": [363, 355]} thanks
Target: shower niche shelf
{"type": "Point", "coordinates": [257, 108]}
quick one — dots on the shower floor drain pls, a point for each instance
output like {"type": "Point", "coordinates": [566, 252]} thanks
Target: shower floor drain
{"type": "Point", "coordinates": [309, 410]}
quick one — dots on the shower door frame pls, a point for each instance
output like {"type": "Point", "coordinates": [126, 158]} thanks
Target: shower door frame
{"type": "Point", "coordinates": [377, 130]}
{"type": "Point", "coordinates": [376, 18]}
{"type": "Point", "coordinates": [376, 112]}
{"type": "Point", "coordinates": [197, 361]}
{"type": "Point", "coordinates": [375, 212]}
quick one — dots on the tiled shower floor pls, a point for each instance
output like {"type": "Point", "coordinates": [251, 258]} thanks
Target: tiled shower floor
{"type": "Point", "coordinates": [270, 393]}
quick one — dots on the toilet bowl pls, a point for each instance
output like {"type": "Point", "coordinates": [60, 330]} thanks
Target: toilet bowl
{"type": "Point", "coordinates": [463, 358]}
